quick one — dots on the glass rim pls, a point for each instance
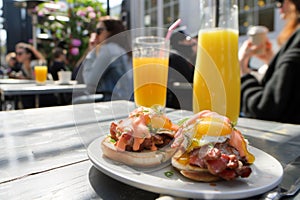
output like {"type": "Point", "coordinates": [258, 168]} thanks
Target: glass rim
{"type": "Point", "coordinates": [151, 40]}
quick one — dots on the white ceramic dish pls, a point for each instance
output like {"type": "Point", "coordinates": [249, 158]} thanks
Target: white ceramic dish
{"type": "Point", "coordinates": [266, 174]}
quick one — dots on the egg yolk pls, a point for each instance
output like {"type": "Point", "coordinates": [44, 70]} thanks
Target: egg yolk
{"type": "Point", "coordinates": [162, 122]}
{"type": "Point", "coordinates": [158, 122]}
{"type": "Point", "coordinates": [212, 127]}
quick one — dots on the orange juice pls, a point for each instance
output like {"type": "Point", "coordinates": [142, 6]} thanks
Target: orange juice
{"type": "Point", "coordinates": [217, 73]}
{"type": "Point", "coordinates": [150, 76]}
{"type": "Point", "coordinates": [40, 74]}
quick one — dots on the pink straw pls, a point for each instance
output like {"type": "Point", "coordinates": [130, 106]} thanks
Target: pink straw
{"type": "Point", "coordinates": [172, 28]}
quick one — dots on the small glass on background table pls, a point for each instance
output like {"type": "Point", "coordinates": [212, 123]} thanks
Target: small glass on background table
{"type": "Point", "coordinates": [150, 70]}
{"type": "Point", "coordinates": [40, 73]}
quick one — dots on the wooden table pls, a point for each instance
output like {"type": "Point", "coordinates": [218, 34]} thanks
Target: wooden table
{"type": "Point", "coordinates": [43, 151]}
{"type": "Point", "coordinates": [21, 89]}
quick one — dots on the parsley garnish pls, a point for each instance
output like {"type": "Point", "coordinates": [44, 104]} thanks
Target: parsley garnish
{"type": "Point", "coordinates": [182, 121]}
{"type": "Point", "coordinates": [158, 109]}
{"type": "Point", "coordinates": [233, 124]}
{"type": "Point", "coordinates": [113, 141]}
{"type": "Point", "coordinates": [210, 145]}
{"type": "Point", "coordinates": [169, 174]}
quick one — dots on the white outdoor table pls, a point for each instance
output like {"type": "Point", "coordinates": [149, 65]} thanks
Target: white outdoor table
{"type": "Point", "coordinates": [43, 151]}
{"type": "Point", "coordinates": [21, 89]}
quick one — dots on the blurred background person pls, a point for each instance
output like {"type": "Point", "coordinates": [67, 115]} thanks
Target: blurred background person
{"type": "Point", "coordinates": [12, 66]}
{"type": "Point", "coordinates": [291, 17]}
{"type": "Point", "coordinates": [276, 97]}
{"type": "Point", "coordinates": [28, 57]}
{"type": "Point", "coordinates": [94, 40]}
{"type": "Point", "coordinates": [105, 64]}
{"type": "Point", "coordinates": [183, 54]}
{"type": "Point", "coordinates": [182, 64]}
{"type": "Point", "coordinates": [59, 62]}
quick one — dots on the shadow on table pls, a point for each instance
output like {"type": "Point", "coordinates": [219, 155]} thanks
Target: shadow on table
{"type": "Point", "coordinates": [285, 151]}
{"type": "Point", "coordinates": [111, 189]}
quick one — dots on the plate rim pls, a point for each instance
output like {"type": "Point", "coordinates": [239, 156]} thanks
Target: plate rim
{"type": "Point", "coordinates": [212, 194]}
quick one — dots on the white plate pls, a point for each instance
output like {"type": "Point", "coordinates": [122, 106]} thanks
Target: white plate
{"type": "Point", "coordinates": [266, 174]}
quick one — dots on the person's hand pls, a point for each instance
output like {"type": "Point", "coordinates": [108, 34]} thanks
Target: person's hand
{"type": "Point", "coordinates": [248, 49]}
{"type": "Point", "coordinates": [92, 41]}
{"type": "Point", "coordinates": [39, 56]}
{"type": "Point", "coordinates": [245, 53]}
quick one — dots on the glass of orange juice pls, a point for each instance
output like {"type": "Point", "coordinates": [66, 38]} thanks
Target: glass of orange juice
{"type": "Point", "coordinates": [150, 70]}
{"type": "Point", "coordinates": [40, 73]}
{"type": "Point", "coordinates": [216, 84]}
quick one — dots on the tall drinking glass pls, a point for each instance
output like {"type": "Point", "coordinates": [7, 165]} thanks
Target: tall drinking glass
{"type": "Point", "coordinates": [150, 70]}
{"type": "Point", "coordinates": [217, 74]}
{"type": "Point", "coordinates": [40, 73]}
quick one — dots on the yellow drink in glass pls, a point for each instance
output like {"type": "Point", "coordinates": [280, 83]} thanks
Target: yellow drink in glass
{"type": "Point", "coordinates": [40, 74]}
{"type": "Point", "coordinates": [150, 70]}
{"type": "Point", "coordinates": [217, 74]}
{"type": "Point", "coordinates": [150, 75]}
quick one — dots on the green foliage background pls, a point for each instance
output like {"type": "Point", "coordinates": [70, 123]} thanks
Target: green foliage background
{"type": "Point", "coordinates": [83, 17]}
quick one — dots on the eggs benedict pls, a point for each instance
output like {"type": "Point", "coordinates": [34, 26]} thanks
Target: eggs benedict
{"type": "Point", "coordinates": [210, 149]}
{"type": "Point", "coordinates": [141, 140]}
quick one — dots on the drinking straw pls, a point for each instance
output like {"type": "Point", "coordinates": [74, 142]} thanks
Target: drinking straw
{"type": "Point", "coordinates": [217, 13]}
{"type": "Point", "coordinates": [172, 28]}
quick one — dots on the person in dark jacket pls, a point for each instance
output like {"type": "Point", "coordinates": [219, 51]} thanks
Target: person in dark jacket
{"type": "Point", "coordinates": [182, 56]}
{"type": "Point", "coordinates": [59, 62]}
{"type": "Point", "coordinates": [181, 67]}
{"type": "Point", "coordinates": [277, 96]}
